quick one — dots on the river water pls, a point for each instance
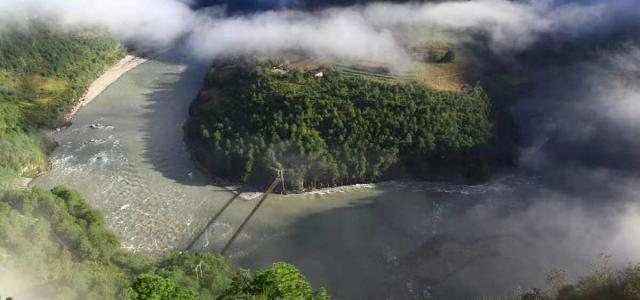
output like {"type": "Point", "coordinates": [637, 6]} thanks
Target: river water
{"type": "Point", "coordinates": [394, 240]}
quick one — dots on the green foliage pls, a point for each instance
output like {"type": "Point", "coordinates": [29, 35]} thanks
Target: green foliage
{"type": "Point", "coordinates": [281, 281]}
{"type": "Point", "coordinates": [208, 275]}
{"type": "Point", "coordinates": [11, 119]}
{"type": "Point", "coordinates": [534, 294]}
{"type": "Point", "coordinates": [623, 285]}
{"type": "Point", "coordinates": [251, 119]}
{"type": "Point", "coordinates": [154, 287]}
{"type": "Point", "coordinates": [79, 226]}
{"type": "Point", "coordinates": [43, 73]}
{"type": "Point", "coordinates": [84, 229]}
{"type": "Point", "coordinates": [59, 245]}
{"type": "Point", "coordinates": [602, 283]}
{"type": "Point", "coordinates": [25, 152]}
{"type": "Point", "coordinates": [8, 178]}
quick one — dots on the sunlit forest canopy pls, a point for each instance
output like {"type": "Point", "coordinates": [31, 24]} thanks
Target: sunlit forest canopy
{"type": "Point", "coordinates": [326, 128]}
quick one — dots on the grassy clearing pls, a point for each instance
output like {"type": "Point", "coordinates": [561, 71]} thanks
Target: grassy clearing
{"type": "Point", "coordinates": [443, 77]}
{"type": "Point", "coordinates": [437, 65]}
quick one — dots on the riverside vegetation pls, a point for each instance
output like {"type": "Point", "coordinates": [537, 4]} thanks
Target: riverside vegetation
{"type": "Point", "coordinates": [52, 243]}
{"type": "Point", "coordinates": [42, 74]}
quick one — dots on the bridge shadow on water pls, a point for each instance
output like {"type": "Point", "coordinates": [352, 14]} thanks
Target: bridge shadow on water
{"type": "Point", "coordinates": [197, 237]}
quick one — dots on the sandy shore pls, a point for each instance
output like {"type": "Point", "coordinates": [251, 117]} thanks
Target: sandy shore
{"type": "Point", "coordinates": [125, 65]}
{"type": "Point", "coordinates": [110, 76]}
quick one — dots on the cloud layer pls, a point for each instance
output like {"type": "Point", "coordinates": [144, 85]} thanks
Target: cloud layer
{"type": "Point", "coordinates": [362, 32]}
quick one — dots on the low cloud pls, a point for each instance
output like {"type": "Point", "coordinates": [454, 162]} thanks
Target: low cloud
{"type": "Point", "coordinates": [360, 32]}
{"type": "Point", "coordinates": [587, 111]}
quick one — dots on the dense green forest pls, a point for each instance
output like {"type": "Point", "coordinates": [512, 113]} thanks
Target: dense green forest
{"type": "Point", "coordinates": [43, 73]}
{"type": "Point", "coordinates": [54, 245]}
{"type": "Point", "coordinates": [255, 117]}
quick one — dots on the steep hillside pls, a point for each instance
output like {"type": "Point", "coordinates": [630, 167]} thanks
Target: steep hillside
{"type": "Point", "coordinates": [53, 245]}
{"type": "Point", "coordinates": [42, 74]}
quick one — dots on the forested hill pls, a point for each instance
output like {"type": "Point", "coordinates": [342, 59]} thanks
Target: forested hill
{"type": "Point", "coordinates": [253, 118]}
{"type": "Point", "coordinates": [53, 245]}
{"type": "Point", "coordinates": [43, 73]}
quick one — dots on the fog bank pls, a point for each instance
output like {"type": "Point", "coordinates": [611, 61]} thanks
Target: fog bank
{"type": "Point", "coordinates": [358, 32]}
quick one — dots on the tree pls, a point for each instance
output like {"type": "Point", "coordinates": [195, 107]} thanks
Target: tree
{"type": "Point", "coordinates": [153, 287]}
{"type": "Point", "coordinates": [281, 281]}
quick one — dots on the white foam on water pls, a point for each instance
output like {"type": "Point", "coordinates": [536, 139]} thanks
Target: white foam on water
{"type": "Point", "coordinates": [61, 162]}
{"type": "Point", "coordinates": [100, 158]}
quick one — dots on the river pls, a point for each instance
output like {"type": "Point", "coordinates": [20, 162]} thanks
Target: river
{"type": "Point", "coordinates": [394, 240]}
